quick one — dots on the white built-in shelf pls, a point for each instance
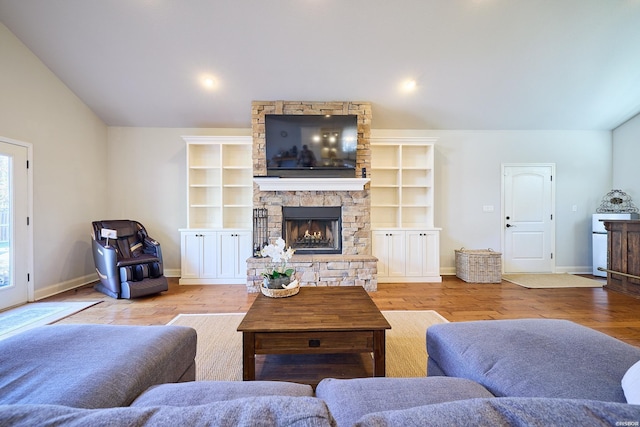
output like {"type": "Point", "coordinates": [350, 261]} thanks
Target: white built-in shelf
{"type": "Point", "coordinates": [404, 238]}
{"type": "Point", "coordinates": [310, 184]}
{"type": "Point", "coordinates": [401, 182]}
{"type": "Point", "coordinates": [219, 173]}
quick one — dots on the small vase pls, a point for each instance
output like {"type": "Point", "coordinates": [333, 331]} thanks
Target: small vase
{"type": "Point", "coordinates": [276, 283]}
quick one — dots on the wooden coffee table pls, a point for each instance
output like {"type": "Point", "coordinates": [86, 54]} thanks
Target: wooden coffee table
{"type": "Point", "coordinates": [318, 320]}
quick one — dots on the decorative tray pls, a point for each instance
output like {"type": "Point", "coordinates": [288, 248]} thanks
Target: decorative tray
{"type": "Point", "coordinates": [279, 293]}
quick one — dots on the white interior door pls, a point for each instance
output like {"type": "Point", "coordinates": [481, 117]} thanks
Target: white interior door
{"type": "Point", "coordinates": [15, 237]}
{"type": "Point", "coordinates": [528, 211]}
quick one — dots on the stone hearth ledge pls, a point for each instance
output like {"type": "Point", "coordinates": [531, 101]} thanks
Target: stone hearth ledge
{"type": "Point", "coordinates": [322, 270]}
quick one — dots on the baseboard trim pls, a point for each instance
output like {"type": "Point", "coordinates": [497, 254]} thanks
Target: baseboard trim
{"type": "Point", "coordinates": [451, 271]}
{"type": "Point", "coordinates": [447, 271]}
{"type": "Point", "coordinates": [425, 279]}
{"type": "Point", "coordinates": [78, 282]}
{"type": "Point", "coordinates": [172, 272]}
{"type": "Point", "coordinates": [67, 285]}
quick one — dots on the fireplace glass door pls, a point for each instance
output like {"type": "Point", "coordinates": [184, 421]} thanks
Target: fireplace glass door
{"type": "Point", "coordinates": [313, 230]}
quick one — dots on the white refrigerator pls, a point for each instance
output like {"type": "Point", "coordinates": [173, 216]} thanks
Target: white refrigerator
{"type": "Point", "coordinates": [599, 239]}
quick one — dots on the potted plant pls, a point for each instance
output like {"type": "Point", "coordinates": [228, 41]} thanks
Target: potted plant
{"type": "Point", "coordinates": [277, 276]}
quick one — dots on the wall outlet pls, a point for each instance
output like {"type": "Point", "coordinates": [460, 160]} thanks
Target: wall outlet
{"type": "Point", "coordinates": [109, 233]}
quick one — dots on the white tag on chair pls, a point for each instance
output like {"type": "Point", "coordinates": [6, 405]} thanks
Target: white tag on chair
{"type": "Point", "coordinates": [109, 234]}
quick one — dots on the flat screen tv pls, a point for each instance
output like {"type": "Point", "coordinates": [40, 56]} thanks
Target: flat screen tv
{"type": "Point", "coordinates": [310, 146]}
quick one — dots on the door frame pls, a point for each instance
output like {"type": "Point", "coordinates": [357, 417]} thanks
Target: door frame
{"type": "Point", "coordinates": [503, 221]}
{"type": "Point", "coordinates": [29, 237]}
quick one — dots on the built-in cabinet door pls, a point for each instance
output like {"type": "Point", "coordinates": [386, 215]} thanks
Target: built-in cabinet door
{"type": "Point", "coordinates": [431, 263]}
{"type": "Point", "coordinates": [234, 247]}
{"type": "Point", "coordinates": [245, 250]}
{"type": "Point", "coordinates": [416, 253]}
{"type": "Point", "coordinates": [198, 255]}
{"type": "Point", "coordinates": [191, 256]}
{"type": "Point", "coordinates": [209, 264]}
{"type": "Point", "coordinates": [422, 253]}
{"type": "Point", "coordinates": [380, 250]}
{"type": "Point", "coordinates": [226, 254]}
{"type": "Point", "coordinates": [396, 253]}
{"type": "Point", "coordinates": [389, 247]}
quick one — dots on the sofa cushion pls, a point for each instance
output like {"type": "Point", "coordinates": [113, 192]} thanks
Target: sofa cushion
{"type": "Point", "coordinates": [93, 366]}
{"type": "Point", "coordinates": [350, 399]}
{"type": "Point", "coordinates": [263, 411]}
{"type": "Point", "coordinates": [201, 392]}
{"type": "Point", "coordinates": [510, 412]}
{"type": "Point", "coordinates": [631, 384]}
{"type": "Point", "coordinates": [532, 358]}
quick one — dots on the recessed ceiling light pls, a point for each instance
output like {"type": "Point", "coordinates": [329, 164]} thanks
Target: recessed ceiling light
{"type": "Point", "coordinates": [209, 82]}
{"type": "Point", "coordinates": [409, 85]}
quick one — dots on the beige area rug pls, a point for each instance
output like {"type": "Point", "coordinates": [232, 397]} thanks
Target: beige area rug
{"type": "Point", "coordinates": [34, 314]}
{"type": "Point", "coordinates": [219, 352]}
{"type": "Point", "coordinates": [548, 281]}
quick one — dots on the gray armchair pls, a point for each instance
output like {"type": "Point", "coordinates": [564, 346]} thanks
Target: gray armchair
{"type": "Point", "coordinates": [129, 265]}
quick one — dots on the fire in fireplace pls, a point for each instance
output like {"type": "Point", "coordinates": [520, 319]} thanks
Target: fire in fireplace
{"type": "Point", "coordinates": [313, 230]}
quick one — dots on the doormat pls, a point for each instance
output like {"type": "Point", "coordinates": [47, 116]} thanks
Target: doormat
{"type": "Point", "coordinates": [549, 281]}
{"type": "Point", "coordinates": [34, 314]}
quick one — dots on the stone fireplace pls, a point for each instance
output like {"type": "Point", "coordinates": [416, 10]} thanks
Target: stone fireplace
{"type": "Point", "coordinates": [350, 261]}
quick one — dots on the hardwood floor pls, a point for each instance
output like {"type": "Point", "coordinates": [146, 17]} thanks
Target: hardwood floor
{"type": "Point", "coordinates": [613, 313]}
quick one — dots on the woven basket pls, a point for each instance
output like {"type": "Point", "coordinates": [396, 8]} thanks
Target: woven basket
{"type": "Point", "coordinates": [479, 266]}
{"type": "Point", "coordinates": [278, 293]}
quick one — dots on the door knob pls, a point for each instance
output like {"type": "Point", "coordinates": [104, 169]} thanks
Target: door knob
{"type": "Point", "coordinates": [509, 225]}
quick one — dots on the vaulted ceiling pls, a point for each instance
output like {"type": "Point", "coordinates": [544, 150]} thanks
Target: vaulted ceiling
{"type": "Point", "coordinates": [475, 64]}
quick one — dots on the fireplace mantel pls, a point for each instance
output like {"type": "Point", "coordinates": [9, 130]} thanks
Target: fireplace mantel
{"type": "Point", "coordinates": [310, 184]}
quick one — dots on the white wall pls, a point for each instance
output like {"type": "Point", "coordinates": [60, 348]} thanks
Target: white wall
{"type": "Point", "coordinates": [150, 186]}
{"type": "Point", "coordinates": [468, 166]}
{"type": "Point", "coordinates": [69, 141]}
{"type": "Point", "coordinates": [626, 158]}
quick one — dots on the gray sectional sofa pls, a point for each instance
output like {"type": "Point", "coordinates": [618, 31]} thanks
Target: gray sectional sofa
{"type": "Point", "coordinates": [93, 366]}
{"type": "Point", "coordinates": [541, 372]}
{"type": "Point", "coordinates": [514, 372]}
{"type": "Point", "coordinates": [532, 358]}
{"type": "Point", "coordinates": [501, 372]}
